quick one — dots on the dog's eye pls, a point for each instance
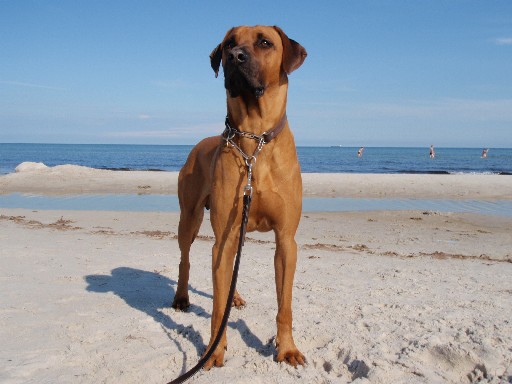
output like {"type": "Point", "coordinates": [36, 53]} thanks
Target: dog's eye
{"type": "Point", "coordinates": [229, 44]}
{"type": "Point", "coordinates": [265, 43]}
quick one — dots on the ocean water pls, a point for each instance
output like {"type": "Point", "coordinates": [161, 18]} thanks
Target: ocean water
{"type": "Point", "coordinates": [312, 159]}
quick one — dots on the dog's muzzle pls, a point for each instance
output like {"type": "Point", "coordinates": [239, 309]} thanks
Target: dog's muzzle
{"type": "Point", "coordinates": [241, 74]}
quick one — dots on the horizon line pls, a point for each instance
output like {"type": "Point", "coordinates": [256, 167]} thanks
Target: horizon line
{"type": "Point", "coordinates": [298, 146]}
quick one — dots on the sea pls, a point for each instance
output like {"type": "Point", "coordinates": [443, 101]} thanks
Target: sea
{"type": "Point", "coordinates": [332, 159]}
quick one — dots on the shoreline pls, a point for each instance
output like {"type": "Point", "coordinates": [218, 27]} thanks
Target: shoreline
{"type": "Point", "coordinates": [71, 179]}
{"type": "Point", "coordinates": [333, 159]}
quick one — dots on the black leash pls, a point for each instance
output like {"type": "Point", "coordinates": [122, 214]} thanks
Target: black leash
{"type": "Point", "coordinates": [204, 359]}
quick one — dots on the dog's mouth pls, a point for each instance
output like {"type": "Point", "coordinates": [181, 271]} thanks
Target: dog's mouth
{"type": "Point", "coordinates": [239, 80]}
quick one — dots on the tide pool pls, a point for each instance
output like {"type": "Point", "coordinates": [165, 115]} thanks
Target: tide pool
{"type": "Point", "coordinates": [169, 203]}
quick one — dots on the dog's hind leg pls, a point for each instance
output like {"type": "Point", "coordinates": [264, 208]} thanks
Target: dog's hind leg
{"type": "Point", "coordinates": [194, 184]}
{"type": "Point", "coordinates": [190, 221]}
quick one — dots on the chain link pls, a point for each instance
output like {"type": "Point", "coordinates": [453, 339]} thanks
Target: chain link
{"type": "Point", "coordinates": [250, 160]}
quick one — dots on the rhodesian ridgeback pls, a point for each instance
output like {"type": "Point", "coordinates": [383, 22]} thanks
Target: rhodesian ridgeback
{"type": "Point", "coordinates": [256, 62]}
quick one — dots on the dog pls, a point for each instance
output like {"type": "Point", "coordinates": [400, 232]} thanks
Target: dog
{"type": "Point", "coordinates": [256, 62]}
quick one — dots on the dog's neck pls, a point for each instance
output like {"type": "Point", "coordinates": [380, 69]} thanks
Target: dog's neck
{"type": "Point", "coordinates": [231, 131]}
{"type": "Point", "coordinates": [258, 115]}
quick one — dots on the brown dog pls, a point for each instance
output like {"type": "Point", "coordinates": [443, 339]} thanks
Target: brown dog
{"type": "Point", "coordinates": [256, 62]}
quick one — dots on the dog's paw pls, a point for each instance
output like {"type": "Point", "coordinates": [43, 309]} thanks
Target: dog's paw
{"type": "Point", "coordinates": [181, 303]}
{"type": "Point", "coordinates": [216, 359]}
{"type": "Point", "coordinates": [238, 301]}
{"type": "Point", "coordinates": [292, 357]}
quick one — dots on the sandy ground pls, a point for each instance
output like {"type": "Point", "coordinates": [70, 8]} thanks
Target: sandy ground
{"type": "Point", "coordinates": [379, 297]}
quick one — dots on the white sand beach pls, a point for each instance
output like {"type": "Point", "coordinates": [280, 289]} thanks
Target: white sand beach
{"type": "Point", "coordinates": [379, 297]}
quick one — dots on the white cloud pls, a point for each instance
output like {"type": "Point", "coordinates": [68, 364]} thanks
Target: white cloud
{"type": "Point", "coordinates": [503, 41]}
{"type": "Point", "coordinates": [192, 131]}
{"type": "Point", "coordinates": [446, 109]}
{"type": "Point", "coordinates": [30, 85]}
{"type": "Point", "coordinates": [161, 133]}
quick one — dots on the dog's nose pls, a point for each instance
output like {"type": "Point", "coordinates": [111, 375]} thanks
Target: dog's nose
{"type": "Point", "coordinates": [237, 56]}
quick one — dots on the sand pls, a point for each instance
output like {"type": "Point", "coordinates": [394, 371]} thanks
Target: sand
{"type": "Point", "coordinates": [379, 297]}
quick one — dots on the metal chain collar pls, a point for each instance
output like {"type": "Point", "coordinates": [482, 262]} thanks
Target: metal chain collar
{"type": "Point", "coordinates": [228, 135]}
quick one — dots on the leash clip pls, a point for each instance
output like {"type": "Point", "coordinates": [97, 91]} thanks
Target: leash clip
{"type": "Point", "coordinates": [248, 188]}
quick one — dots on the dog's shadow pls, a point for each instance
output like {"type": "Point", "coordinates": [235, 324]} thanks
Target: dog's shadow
{"type": "Point", "coordinates": [150, 292]}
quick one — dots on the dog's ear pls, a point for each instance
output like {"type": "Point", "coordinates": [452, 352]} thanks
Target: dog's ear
{"type": "Point", "coordinates": [294, 54]}
{"type": "Point", "coordinates": [215, 58]}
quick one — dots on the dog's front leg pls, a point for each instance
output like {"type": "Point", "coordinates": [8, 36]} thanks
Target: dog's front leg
{"type": "Point", "coordinates": [285, 262]}
{"type": "Point", "coordinates": [222, 269]}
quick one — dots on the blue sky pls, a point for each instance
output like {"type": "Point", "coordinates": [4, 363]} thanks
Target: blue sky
{"type": "Point", "coordinates": [378, 73]}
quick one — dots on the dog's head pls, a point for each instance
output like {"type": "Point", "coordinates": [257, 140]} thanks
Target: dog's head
{"type": "Point", "coordinates": [255, 58]}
